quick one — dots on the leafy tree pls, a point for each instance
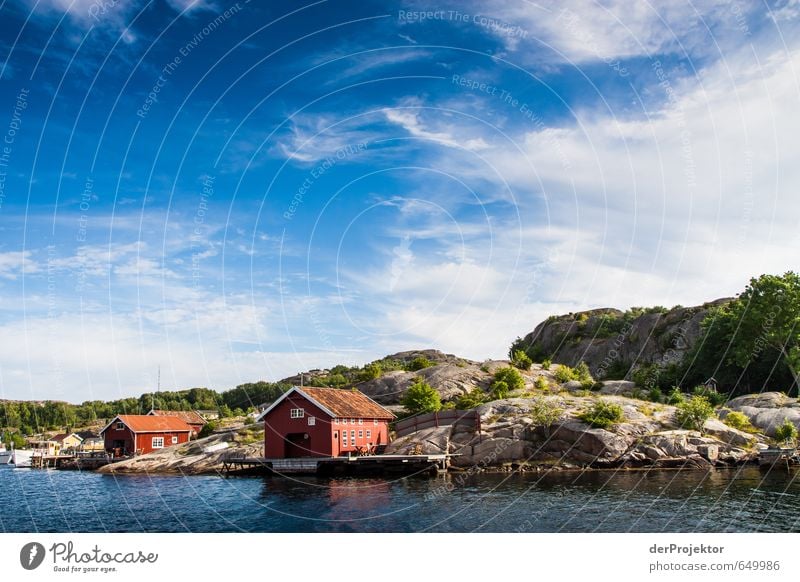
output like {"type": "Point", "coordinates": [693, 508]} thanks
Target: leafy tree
{"type": "Point", "coordinates": [208, 429]}
{"type": "Point", "coordinates": [786, 432]}
{"type": "Point", "coordinates": [694, 412]}
{"type": "Point", "coordinates": [520, 360]}
{"type": "Point", "coordinates": [675, 396]}
{"type": "Point", "coordinates": [500, 389]}
{"type": "Point", "coordinates": [420, 397]}
{"type": "Point", "coordinates": [370, 372]}
{"type": "Point", "coordinates": [13, 439]}
{"type": "Point", "coordinates": [768, 317]}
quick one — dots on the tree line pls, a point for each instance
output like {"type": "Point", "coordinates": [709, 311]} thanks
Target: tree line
{"type": "Point", "coordinates": [29, 417]}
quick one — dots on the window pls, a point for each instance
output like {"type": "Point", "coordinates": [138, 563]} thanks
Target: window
{"type": "Point", "coordinates": [174, 440]}
{"type": "Point", "coordinates": [360, 421]}
{"type": "Point", "coordinates": [369, 434]}
{"type": "Point", "coordinates": [120, 426]}
{"type": "Point", "coordinates": [336, 434]}
{"type": "Point", "coordinates": [361, 434]}
{"type": "Point", "coordinates": [312, 421]}
{"type": "Point", "coordinates": [344, 438]}
{"type": "Point", "coordinates": [375, 422]}
{"type": "Point", "coordinates": [353, 435]}
{"type": "Point", "coordinates": [335, 421]}
{"type": "Point", "coordinates": [158, 442]}
{"type": "Point", "coordinates": [297, 413]}
{"type": "Point", "coordinates": [352, 421]}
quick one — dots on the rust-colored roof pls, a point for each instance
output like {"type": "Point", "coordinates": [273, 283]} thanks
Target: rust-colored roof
{"type": "Point", "coordinates": [187, 416]}
{"type": "Point", "coordinates": [144, 423]}
{"type": "Point", "coordinates": [347, 403]}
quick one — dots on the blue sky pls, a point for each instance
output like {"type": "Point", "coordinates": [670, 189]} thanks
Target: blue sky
{"type": "Point", "coordinates": [238, 191]}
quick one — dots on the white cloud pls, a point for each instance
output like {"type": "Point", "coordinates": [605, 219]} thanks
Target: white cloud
{"type": "Point", "coordinates": [15, 263]}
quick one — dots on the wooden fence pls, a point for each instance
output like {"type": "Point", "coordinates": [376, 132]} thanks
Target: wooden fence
{"type": "Point", "coordinates": [467, 419]}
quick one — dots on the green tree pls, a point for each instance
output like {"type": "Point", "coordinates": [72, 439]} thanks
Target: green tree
{"type": "Point", "coordinates": [419, 363]}
{"type": "Point", "coordinates": [420, 397]}
{"type": "Point", "coordinates": [768, 317]}
{"type": "Point", "coordinates": [694, 412]}
{"type": "Point", "coordinates": [511, 377]}
{"type": "Point", "coordinates": [471, 399]}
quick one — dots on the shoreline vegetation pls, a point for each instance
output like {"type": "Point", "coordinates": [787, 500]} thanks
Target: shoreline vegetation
{"type": "Point", "coordinates": [687, 387]}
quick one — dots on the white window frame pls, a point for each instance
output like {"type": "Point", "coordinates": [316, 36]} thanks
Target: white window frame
{"type": "Point", "coordinates": [344, 438]}
{"type": "Point", "coordinates": [352, 421]}
{"type": "Point", "coordinates": [361, 434]}
{"type": "Point", "coordinates": [369, 435]}
{"type": "Point", "coordinates": [174, 440]}
{"type": "Point", "coordinates": [297, 413]}
{"type": "Point", "coordinates": [120, 426]}
{"type": "Point", "coordinates": [160, 440]}
{"type": "Point", "coordinates": [312, 421]}
{"type": "Point", "coordinates": [375, 422]}
{"type": "Point", "coordinates": [360, 421]}
{"type": "Point", "coordinates": [353, 436]}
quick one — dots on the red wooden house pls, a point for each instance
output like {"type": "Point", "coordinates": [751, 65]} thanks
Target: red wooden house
{"type": "Point", "coordinates": [323, 422]}
{"type": "Point", "coordinates": [190, 417]}
{"type": "Point", "coordinates": [131, 434]}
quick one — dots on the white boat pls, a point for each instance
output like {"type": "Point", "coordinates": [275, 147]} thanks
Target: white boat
{"type": "Point", "coordinates": [21, 458]}
{"type": "Point", "coordinates": [5, 457]}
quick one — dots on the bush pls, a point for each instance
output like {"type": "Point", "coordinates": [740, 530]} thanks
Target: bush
{"type": "Point", "coordinates": [420, 397]}
{"type": "Point", "coordinates": [506, 380]}
{"type": "Point", "coordinates": [471, 399]}
{"type": "Point", "coordinates": [715, 398]}
{"type": "Point", "coordinates": [562, 374]}
{"type": "Point", "coordinates": [675, 396]}
{"type": "Point", "coordinates": [694, 412]}
{"type": "Point", "coordinates": [786, 432]}
{"type": "Point", "coordinates": [739, 421]}
{"type": "Point", "coordinates": [419, 363]}
{"type": "Point", "coordinates": [370, 372]}
{"type": "Point", "coordinates": [541, 383]}
{"type": "Point", "coordinates": [655, 394]}
{"type": "Point", "coordinates": [603, 414]}
{"type": "Point", "coordinates": [207, 429]}
{"type": "Point", "coordinates": [546, 364]}
{"type": "Point", "coordinates": [521, 360]}
{"type": "Point", "coordinates": [545, 413]}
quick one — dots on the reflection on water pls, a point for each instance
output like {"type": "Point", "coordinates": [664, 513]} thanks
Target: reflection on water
{"type": "Point", "coordinates": [604, 501]}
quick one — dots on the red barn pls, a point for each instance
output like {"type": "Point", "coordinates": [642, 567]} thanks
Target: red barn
{"type": "Point", "coordinates": [190, 417]}
{"type": "Point", "coordinates": [131, 434]}
{"type": "Point", "coordinates": [323, 422]}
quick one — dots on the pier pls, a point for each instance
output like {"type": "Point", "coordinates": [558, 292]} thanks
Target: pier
{"type": "Point", "coordinates": [345, 465]}
{"type": "Point", "coordinates": [74, 462]}
{"type": "Point", "coordinates": [778, 458]}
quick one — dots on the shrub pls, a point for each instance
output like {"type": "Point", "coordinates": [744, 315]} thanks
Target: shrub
{"type": "Point", "coordinates": [563, 373]}
{"type": "Point", "coordinates": [521, 360]}
{"type": "Point", "coordinates": [420, 397]}
{"type": "Point", "coordinates": [786, 432]}
{"type": "Point", "coordinates": [541, 383]}
{"type": "Point", "coordinates": [546, 364]}
{"type": "Point", "coordinates": [207, 429]}
{"type": "Point", "coordinates": [739, 421]}
{"type": "Point", "coordinates": [471, 399]}
{"type": "Point", "coordinates": [655, 394]}
{"type": "Point", "coordinates": [694, 412]}
{"type": "Point", "coordinates": [582, 374]}
{"type": "Point", "coordinates": [419, 363]}
{"type": "Point", "coordinates": [544, 412]}
{"type": "Point", "coordinates": [506, 380]}
{"type": "Point", "coordinates": [675, 396]}
{"type": "Point", "coordinates": [370, 372]}
{"type": "Point", "coordinates": [603, 414]}
{"type": "Point", "coordinates": [715, 398]}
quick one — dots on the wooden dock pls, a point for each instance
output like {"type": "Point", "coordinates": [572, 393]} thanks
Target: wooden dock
{"type": "Point", "coordinates": [355, 465]}
{"type": "Point", "coordinates": [74, 462]}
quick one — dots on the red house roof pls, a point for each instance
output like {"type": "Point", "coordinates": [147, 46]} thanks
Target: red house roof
{"type": "Point", "coordinates": [338, 403]}
{"type": "Point", "coordinates": [144, 423]}
{"type": "Point", "coordinates": [187, 416]}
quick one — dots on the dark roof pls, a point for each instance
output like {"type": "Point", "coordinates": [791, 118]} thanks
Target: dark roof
{"type": "Point", "coordinates": [347, 403]}
{"type": "Point", "coordinates": [187, 416]}
{"type": "Point", "coordinates": [145, 423]}
{"type": "Point", "coordinates": [87, 434]}
{"type": "Point", "coordinates": [60, 437]}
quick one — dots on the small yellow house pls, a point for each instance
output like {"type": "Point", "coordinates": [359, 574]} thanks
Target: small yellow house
{"type": "Point", "coordinates": [68, 442]}
{"type": "Point", "coordinates": [47, 448]}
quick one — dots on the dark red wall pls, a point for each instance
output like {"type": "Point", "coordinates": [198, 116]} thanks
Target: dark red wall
{"type": "Point", "coordinates": [143, 440]}
{"type": "Point", "coordinates": [324, 438]}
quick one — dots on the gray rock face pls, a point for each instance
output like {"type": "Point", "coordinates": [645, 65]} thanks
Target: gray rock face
{"type": "Point", "coordinates": [450, 380]}
{"type": "Point", "coordinates": [652, 337]}
{"type": "Point", "coordinates": [768, 410]}
{"type": "Point", "coordinates": [509, 435]}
